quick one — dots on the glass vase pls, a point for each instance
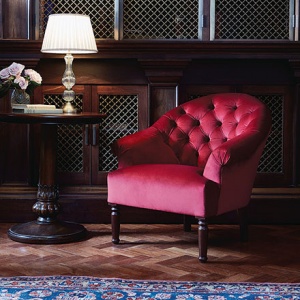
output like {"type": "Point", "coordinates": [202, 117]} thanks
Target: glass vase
{"type": "Point", "coordinates": [19, 96]}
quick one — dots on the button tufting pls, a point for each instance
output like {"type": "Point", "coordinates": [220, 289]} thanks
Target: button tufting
{"type": "Point", "coordinates": [218, 123]}
{"type": "Point", "coordinates": [206, 139]}
{"type": "Point", "coordinates": [197, 122]}
{"type": "Point", "coordinates": [211, 107]}
{"type": "Point", "coordinates": [173, 123]}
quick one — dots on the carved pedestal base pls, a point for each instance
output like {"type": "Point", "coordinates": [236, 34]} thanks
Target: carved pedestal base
{"type": "Point", "coordinates": [47, 233]}
{"type": "Point", "coordinates": [47, 229]}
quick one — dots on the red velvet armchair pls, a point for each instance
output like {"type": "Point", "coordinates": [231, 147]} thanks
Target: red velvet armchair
{"type": "Point", "coordinates": [199, 159]}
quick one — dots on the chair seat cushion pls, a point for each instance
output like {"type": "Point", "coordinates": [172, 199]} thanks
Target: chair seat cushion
{"type": "Point", "coordinates": [167, 187]}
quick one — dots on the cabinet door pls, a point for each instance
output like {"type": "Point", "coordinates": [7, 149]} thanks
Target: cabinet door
{"type": "Point", "coordinates": [73, 153]}
{"type": "Point", "coordinates": [127, 112]}
{"type": "Point", "coordinates": [253, 19]}
{"type": "Point", "coordinates": [276, 164]}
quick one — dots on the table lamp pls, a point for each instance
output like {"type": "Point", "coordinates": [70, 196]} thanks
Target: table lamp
{"type": "Point", "coordinates": [67, 34]}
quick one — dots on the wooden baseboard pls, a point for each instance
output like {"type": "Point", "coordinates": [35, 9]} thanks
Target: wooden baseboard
{"type": "Point", "coordinates": [87, 204]}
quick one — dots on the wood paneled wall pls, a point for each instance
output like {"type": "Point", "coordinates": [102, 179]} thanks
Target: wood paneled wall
{"type": "Point", "coordinates": [11, 18]}
{"type": "Point", "coordinates": [171, 71]}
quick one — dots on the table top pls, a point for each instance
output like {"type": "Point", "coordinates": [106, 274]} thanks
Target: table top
{"type": "Point", "coordinates": [78, 118]}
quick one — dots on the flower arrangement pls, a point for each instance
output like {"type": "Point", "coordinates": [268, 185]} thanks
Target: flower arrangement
{"type": "Point", "coordinates": [17, 77]}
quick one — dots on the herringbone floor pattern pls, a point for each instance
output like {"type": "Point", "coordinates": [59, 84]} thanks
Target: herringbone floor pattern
{"type": "Point", "coordinates": [162, 252]}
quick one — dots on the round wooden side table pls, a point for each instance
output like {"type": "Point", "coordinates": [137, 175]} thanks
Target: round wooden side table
{"type": "Point", "coordinates": [47, 229]}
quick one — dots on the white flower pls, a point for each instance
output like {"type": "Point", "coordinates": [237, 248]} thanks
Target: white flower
{"type": "Point", "coordinates": [17, 77]}
{"type": "Point", "coordinates": [33, 75]}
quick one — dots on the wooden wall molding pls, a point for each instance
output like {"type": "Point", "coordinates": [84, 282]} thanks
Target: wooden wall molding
{"type": "Point", "coordinates": [88, 204]}
{"type": "Point", "coordinates": [164, 49]}
{"type": "Point", "coordinates": [164, 71]}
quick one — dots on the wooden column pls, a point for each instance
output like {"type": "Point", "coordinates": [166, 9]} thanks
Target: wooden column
{"type": "Point", "coordinates": [163, 77]}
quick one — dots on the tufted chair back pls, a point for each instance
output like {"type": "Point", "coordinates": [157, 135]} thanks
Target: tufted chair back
{"type": "Point", "coordinates": [196, 128]}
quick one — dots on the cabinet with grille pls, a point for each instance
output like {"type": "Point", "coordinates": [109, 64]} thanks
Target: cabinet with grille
{"type": "Point", "coordinates": [183, 19]}
{"type": "Point", "coordinates": [127, 112]}
{"type": "Point", "coordinates": [73, 154]}
{"type": "Point", "coordinates": [84, 153]}
{"type": "Point", "coordinates": [160, 19]}
{"type": "Point", "coordinates": [275, 167]}
{"type": "Point", "coordinates": [254, 20]}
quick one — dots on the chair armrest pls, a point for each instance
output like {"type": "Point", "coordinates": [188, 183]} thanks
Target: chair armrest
{"type": "Point", "coordinates": [236, 151]}
{"type": "Point", "coordinates": [233, 165]}
{"type": "Point", "coordinates": [143, 147]}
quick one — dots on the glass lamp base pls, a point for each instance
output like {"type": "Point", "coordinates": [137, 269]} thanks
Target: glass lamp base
{"type": "Point", "coordinates": [69, 108]}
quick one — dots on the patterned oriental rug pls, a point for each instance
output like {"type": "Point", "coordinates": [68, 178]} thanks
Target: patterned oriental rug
{"type": "Point", "coordinates": [90, 288]}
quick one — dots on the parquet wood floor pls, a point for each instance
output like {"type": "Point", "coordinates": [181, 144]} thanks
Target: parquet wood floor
{"type": "Point", "coordinates": [162, 252]}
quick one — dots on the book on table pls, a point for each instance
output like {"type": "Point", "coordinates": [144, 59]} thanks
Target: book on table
{"type": "Point", "coordinates": [36, 109]}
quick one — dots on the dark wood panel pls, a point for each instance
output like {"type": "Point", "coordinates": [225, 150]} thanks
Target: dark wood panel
{"type": "Point", "coordinates": [165, 49]}
{"type": "Point", "coordinates": [88, 204]}
{"type": "Point", "coordinates": [1, 20]}
{"type": "Point", "coordinates": [190, 91]}
{"type": "Point", "coordinates": [15, 19]}
{"type": "Point", "coordinates": [190, 65]}
{"type": "Point", "coordinates": [93, 71]}
{"type": "Point", "coordinates": [162, 99]}
{"type": "Point", "coordinates": [237, 71]}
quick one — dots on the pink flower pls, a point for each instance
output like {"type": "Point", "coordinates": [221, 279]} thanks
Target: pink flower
{"type": "Point", "coordinates": [17, 77]}
{"type": "Point", "coordinates": [23, 83]}
{"type": "Point", "coordinates": [33, 75]}
{"type": "Point", "coordinates": [4, 74]}
{"type": "Point", "coordinates": [15, 69]}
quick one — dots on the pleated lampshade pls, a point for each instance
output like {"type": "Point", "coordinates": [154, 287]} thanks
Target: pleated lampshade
{"type": "Point", "coordinates": [69, 33]}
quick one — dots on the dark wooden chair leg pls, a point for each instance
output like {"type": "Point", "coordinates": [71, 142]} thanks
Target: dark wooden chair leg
{"type": "Point", "coordinates": [187, 223]}
{"type": "Point", "coordinates": [115, 224]}
{"type": "Point", "coordinates": [202, 239]}
{"type": "Point", "coordinates": [243, 219]}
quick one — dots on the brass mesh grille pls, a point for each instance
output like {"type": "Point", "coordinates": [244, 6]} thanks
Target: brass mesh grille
{"type": "Point", "coordinates": [272, 157]}
{"type": "Point", "coordinates": [121, 120]}
{"type": "Point", "coordinates": [252, 19]}
{"type": "Point", "coordinates": [160, 19]}
{"type": "Point", "coordinates": [70, 138]}
{"type": "Point", "coordinates": [179, 19]}
{"type": "Point", "coordinates": [101, 13]}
